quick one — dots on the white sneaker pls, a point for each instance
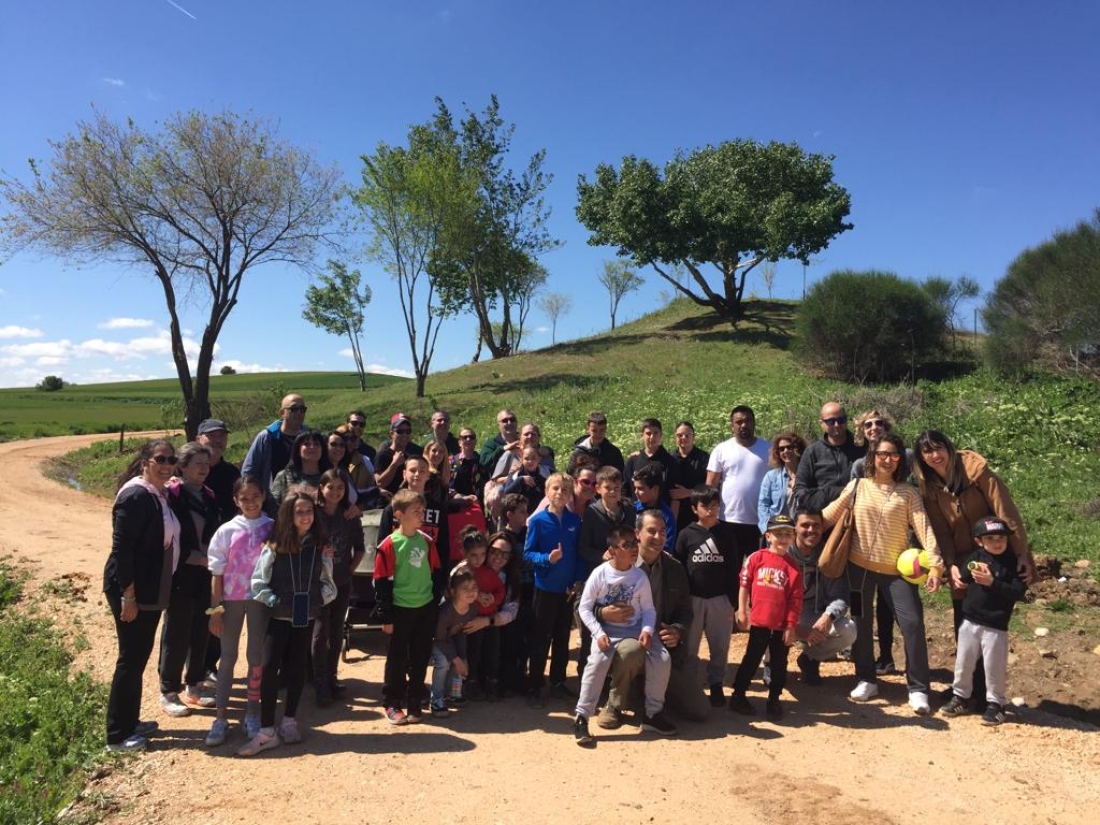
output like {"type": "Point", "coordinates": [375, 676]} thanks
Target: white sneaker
{"type": "Point", "coordinates": [918, 701]}
{"type": "Point", "coordinates": [768, 675]}
{"type": "Point", "coordinates": [864, 692]}
{"type": "Point", "coordinates": [170, 703]}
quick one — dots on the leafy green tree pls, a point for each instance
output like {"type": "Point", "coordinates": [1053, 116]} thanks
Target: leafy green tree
{"type": "Point", "coordinates": [1046, 308]}
{"type": "Point", "coordinates": [487, 256]}
{"type": "Point", "coordinates": [227, 370]}
{"type": "Point", "coordinates": [619, 279]}
{"type": "Point", "coordinates": [197, 205]}
{"type": "Point", "coordinates": [336, 305]}
{"type": "Point", "coordinates": [869, 326]}
{"type": "Point", "coordinates": [555, 304]}
{"type": "Point", "coordinates": [407, 196]}
{"type": "Point", "coordinates": [728, 207]}
{"type": "Point", "coordinates": [51, 383]}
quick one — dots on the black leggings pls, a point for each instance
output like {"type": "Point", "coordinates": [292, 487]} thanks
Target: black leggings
{"type": "Point", "coordinates": [553, 622]}
{"type": "Point", "coordinates": [286, 651]}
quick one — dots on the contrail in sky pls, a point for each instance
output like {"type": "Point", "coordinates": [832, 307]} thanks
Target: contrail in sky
{"type": "Point", "coordinates": [181, 8]}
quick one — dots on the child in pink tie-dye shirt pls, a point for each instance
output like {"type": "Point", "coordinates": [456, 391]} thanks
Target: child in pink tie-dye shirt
{"type": "Point", "coordinates": [232, 557]}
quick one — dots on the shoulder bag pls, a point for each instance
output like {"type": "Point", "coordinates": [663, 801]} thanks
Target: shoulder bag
{"type": "Point", "coordinates": [834, 558]}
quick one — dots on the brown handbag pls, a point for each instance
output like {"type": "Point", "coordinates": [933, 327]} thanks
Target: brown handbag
{"type": "Point", "coordinates": [834, 557]}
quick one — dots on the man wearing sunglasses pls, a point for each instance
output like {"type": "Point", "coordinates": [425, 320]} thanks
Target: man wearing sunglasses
{"type": "Point", "coordinates": [356, 421]}
{"type": "Point", "coordinates": [506, 439]}
{"type": "Point", "coordinates": [389, 464]}
{"type": "Point", "coordinates": [826, 465]}
{"type": "Point", "coordinates": [270, 450]}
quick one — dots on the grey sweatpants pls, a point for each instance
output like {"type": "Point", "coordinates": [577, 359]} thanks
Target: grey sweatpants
{"type": "Point", "coordinates": [657, 667]}
{"type": "Point", "coordinates": [713, 618]}
{"type": "Point", "coordinates": [841, 636]}
{"type": "Point", "coordinates": [237, 615]}
{"type": "Point", "coordinates": [992, 646]}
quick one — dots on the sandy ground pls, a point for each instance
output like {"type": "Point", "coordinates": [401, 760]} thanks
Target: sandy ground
{"type": "Point", "coordinates": [830, 761]}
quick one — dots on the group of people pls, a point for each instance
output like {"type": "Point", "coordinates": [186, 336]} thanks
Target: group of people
{"type": "Point", "coordinates": [486, 560]}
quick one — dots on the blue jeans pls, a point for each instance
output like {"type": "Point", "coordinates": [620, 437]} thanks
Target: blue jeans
{"type": "Point", "coordinates": [441, 667]}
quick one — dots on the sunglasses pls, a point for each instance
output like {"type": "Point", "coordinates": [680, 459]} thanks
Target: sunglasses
{"type": "Point", "coordinates": [163, 459]}
{"type": "Point", "coordinates": [296, 408]}
{"type": "Point", "coordinates": [832, 422]}
{"type": "Point", "coordinates": [586, 482]}
{"type": "Point", "coordinates": [787, 448]}
{"type": "Point", "coordinates": [403, 431]}
{"type": "Point", "coordinates": [874, 422]}
{"type": "Point", "coordinates": [467, 438]}
{"type": "Point", "coordinates": [509, 420]}
{"type": "Point", "coordinates": [357, 423]}
{"type": "Point", "coordinates": [889, 455]}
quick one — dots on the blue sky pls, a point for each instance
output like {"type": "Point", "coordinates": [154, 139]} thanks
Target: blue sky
{"type": "Point", "coordinates": [965, 132]}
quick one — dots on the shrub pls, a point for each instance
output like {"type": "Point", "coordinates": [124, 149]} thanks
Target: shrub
{"type": "Point", "coordinates": [869, 326]}
{"type": "Point", "coordinates": [51, 383]}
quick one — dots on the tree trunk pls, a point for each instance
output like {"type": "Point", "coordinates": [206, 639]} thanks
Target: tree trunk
{"type": "Point", "coordinates": [421, 378]}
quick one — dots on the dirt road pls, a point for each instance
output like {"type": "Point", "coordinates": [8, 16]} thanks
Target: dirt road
{"type": "Point", "coordinates": [830, 761]}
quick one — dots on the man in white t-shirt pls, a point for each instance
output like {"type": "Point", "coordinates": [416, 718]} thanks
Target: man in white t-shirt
{"type": "Point", "coordinates": [737, 467]}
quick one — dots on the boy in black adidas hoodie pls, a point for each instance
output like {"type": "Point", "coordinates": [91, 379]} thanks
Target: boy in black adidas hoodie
{"type": "Point", "coordinates": [708, 550]}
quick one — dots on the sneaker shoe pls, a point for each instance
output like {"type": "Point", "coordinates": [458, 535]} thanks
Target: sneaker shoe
{"type": "Point", "coordinates": [864, 692]}
{"type": "Point", "coordinates": [717, 697]}
{"type": "Point", "coordinates": [131, 744]}
{"type": "Point", "coordinates": [172, 706]}
{"type": "Point", "coordinates": [251, 725]}
{"type": "Point", "coordinates": [884, 667]}
{"type": "Point", "coordinates": [288, 731]}
{"type": "Point", "coordinates": [194, 699]}
{"type": "Point", "coordinates": [658, 723]}
{"type": "Point", "coordinates": [918, 701]}
{"type": "Point", "coordinates": [844, 655]}
{"type": "Point", "coordinates": [396, 716]}
{"type": "Point", "coordinates": [810, 669]}
{"type": "Point", "coordinates": [956, 707]}
{"type": "Point", "coordinates": [740, 704]}
{"type": "Point", "coordinates": [337, 688]}
{"type": "Point", "coordinates": [994, 714]}
{"type": "Point", "coordinates": [610, 718]}
{"type": "Point", "coordinates": [219, 731]}
{"type": "Point", "coordinates": [580, 732]}
{"type": "Point", "coordinates": [774, 710]}
{"type": "Point", "coordinates": [768, 675]}
{"type": "Point", "coordinates": [560, 690]}
{"type": "Point", "coordinates": [439, 710]}
{"type": "Point", "coordinates": [146, 729]}
{"type": "Point", "coordinates": [415, 715]}
{"type": "Point", "coordinates": [262, 741]}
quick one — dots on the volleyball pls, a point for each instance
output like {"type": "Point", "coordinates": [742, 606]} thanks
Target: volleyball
{"type": "Point", "coordinates": [913, 565]}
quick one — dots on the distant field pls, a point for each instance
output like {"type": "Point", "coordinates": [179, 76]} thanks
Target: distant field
{"type": "Point", "coordinates": [140, 405]}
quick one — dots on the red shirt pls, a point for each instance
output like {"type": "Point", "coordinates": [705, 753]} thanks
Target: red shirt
{"type": "Point", "coordinates": [775, 590]}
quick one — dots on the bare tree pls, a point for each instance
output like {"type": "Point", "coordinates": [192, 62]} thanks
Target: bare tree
{"type": "Point", "coordinates": [767, 275]}
{"type": "Point", "coordinates": [555, 304]}
{"type": "Point", "coordinates": [618, 279]}
{"type": "Point", "coordinates": [199, 204]}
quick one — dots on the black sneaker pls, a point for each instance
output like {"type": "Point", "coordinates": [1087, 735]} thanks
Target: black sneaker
{"type": "Point", "coordinates": [740, 704]}
{"type": "Point", "coordinates": [994, 714]}
{"type": "Point", "coordinates": [581, 734]}
{"type": "Point", "coordinates": [810, 669]}
{"type": "Point", "coordinates": [717, 697]}
{"type": "Point", "coordinates": [956, 707]}
{"type": "Point", "coordinates": [885, 666]}
{"type": "Point", "coordinates": [774, 710]}
{"type": "Point", "coordinates": [658, 723]}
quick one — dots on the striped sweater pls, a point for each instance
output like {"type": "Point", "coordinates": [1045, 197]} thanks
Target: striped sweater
{"type": "Point", "coordinates": [883, 515]}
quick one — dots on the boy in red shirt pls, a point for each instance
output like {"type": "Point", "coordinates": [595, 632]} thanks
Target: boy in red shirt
{"type": "Point", "coordinates": [773, 585]}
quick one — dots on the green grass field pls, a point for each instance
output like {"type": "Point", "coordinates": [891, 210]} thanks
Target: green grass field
{"type": "Point", "coordinates": [1041, 435]}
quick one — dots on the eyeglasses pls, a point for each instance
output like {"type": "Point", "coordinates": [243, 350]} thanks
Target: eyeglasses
{"type": "Point", "coordinates": [403, 431]}
{"type": "Point", "coordinates": [511, 419]}
{"type": "Point", "coordinates": [874, 422]}
{"type": "Point", "coordinates": [296, 408]}
{"type": "Point", "coordinates": [787, 448]}
{"type": "Point", "coordinates": [938, 448]}
{"type": "Point", "coordinates": [832, 422]}
{"type": "Point", "coordinates": [356, 423]}
{"type": "Point", "coordinates": [163, 459]}
{"type": "Point", "coordinates": [889, 455]}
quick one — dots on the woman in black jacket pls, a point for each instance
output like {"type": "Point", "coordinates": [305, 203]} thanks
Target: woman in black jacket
{"type": "Point", "coordinates": [137, 581]}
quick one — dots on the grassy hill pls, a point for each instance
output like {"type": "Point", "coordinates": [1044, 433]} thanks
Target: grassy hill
{"type": "Point", "coordinates": [678, 363]}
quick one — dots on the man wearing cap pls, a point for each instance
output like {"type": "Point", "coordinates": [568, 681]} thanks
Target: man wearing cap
{"type": "Point", "coordinates": [823, 625]}
{"type": "Point", "coordinates": [270, 450]}
{"type": "Point", "coordinates": [506, 439]}
{"type": "Point", "coordinates": [389, 464]}
{"type": "Point", "coordinates": [441, 432]}
{"type": "Point", "coordinates": [596, 444]}
{"type": "Point", "coordinates": [223, 475]}
{"type": "Point", "coordinates": [826, 466]}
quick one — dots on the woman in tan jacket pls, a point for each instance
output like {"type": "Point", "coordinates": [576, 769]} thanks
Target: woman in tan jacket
{"type": "Point", "coordinates": [885, 508]}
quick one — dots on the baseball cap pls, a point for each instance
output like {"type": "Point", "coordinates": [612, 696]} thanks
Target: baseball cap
{"type": "Point", "coordinates": [212, 425]}
{"type": "Point", "coordinates": [399, 418]}
{"type": "Point", "coordinates": [780, 523]}
{"type": "Point", "coordinates": [991, 526]}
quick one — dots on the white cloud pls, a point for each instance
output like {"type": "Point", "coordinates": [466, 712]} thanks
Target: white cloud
{"type": "Point", "coordinates": [49, 361]}
{"type": "Point", "coordinates": [114, 81]}
{"type": "Point", "coordinates": [542, 329]}
{"type": "Point", "coordinates": [12, 331]}
{"type": "Point", "coordinates": [13, 361]}
{"type": "Point", "coordinates": [43, 349]}
{"type": "Point", "coordinates": [125, 323]}
{"type": "Point", "coordinates": [242, 368]}
{"type": "Point", "coordinates": [382, 369]}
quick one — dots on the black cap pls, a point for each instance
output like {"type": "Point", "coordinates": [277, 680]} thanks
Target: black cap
{"type": "Point", "coordinates": [212, 425]}
{"type": "Point", "coordinates": [991, 526]}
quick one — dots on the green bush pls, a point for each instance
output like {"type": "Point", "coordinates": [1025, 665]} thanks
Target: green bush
{"type": "Point", "coordinates": [51, 720]}
{"type": "Point", "coordinates": [869, 326]}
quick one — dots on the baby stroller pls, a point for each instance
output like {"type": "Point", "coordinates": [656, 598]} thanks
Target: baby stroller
{"type": "Point", "coordinates": [362, 604]}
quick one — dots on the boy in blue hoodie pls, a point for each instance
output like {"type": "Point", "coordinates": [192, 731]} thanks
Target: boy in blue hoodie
{"type": "Point", "coordinates": [551, 548]}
